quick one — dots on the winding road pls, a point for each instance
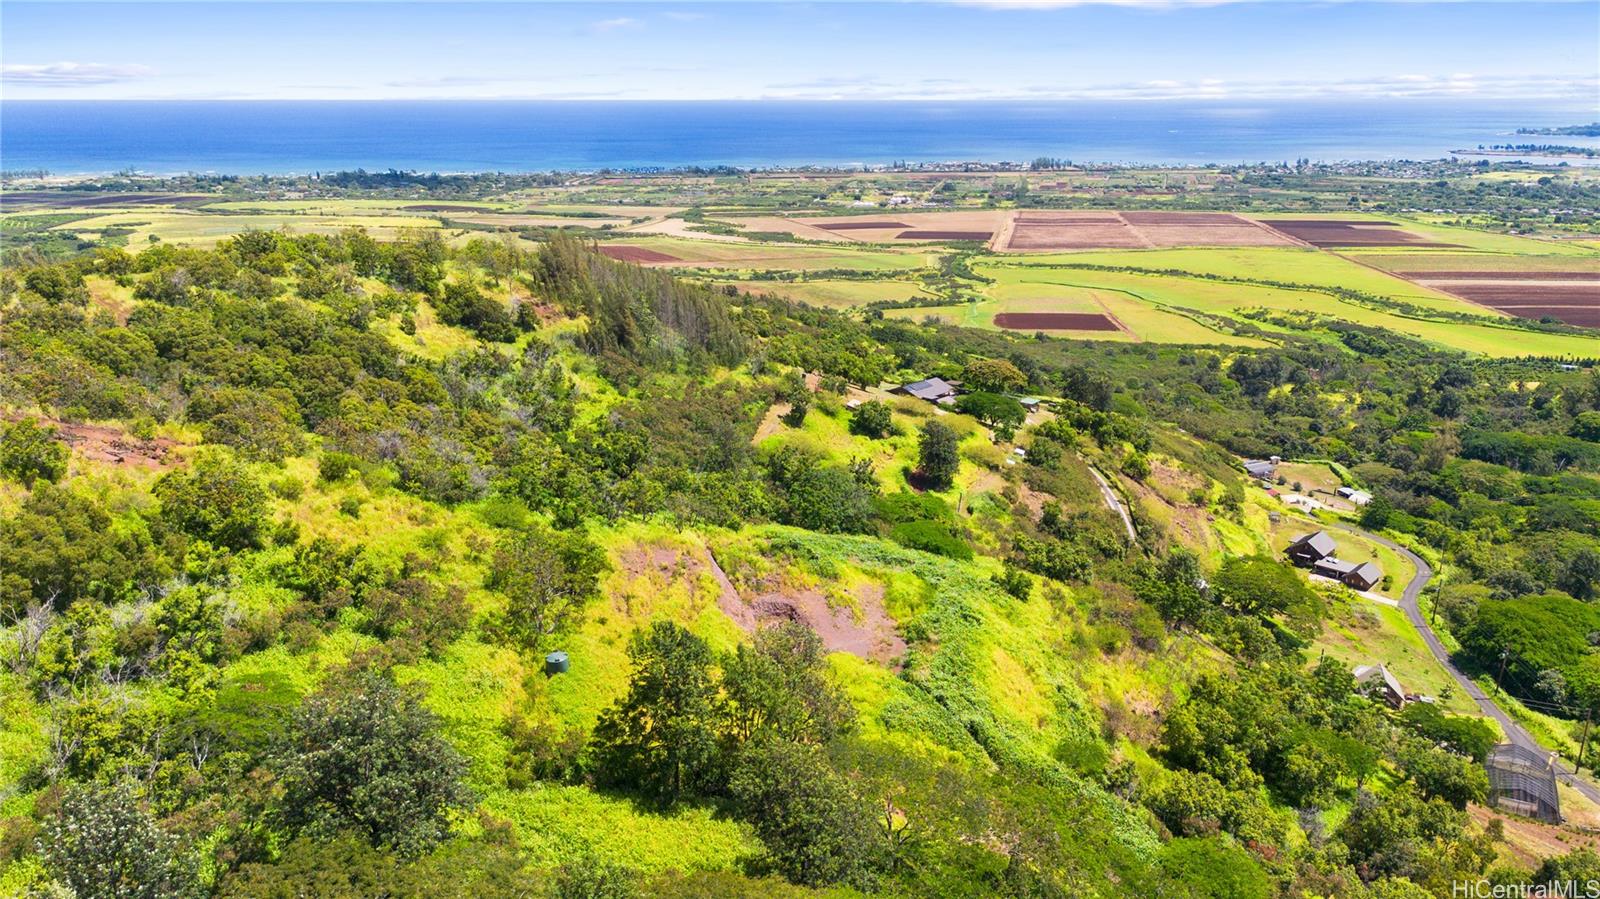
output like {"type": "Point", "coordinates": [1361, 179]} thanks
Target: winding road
{"type": "Point", "coordinates": [1408, 603]}
{"type": "Point", "coordinates": [1115, 502]}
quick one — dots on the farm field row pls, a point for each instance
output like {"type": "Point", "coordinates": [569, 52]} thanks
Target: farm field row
{"type": "Point", "coordinates": [836, 294]}
{"type": "Point", "coordinates": [693, 253]}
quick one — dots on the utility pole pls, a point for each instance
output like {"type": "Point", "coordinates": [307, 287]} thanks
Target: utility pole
{"type": "Point", "coordinates": [1504, 654]}
{"type": "Point", "coordinates": [1588, 714]}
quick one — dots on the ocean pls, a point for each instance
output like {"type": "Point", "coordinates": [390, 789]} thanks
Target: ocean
{"type": "Point", "coordinates": [286, 137]}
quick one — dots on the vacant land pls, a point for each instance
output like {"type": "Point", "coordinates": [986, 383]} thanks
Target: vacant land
{"type": "Point", "coordinates": [1112, 230]}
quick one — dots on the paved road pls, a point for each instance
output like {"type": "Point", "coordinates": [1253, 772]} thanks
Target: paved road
{"type": "Point", "coordinates": [1408, 604]}
{"type": "Point", "coordinates": [1115, 502]}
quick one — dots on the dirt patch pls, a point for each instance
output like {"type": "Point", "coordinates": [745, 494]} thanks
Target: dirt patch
{"type": "Point", "coordinates": [1573, 302]}
{"type": "Point", "coordinates": [625, 253]}
{"type": "Point", "coordinates": [1055, 321]}
{"type": "Point", "coordinates": [1350, 233]}
{"type": "Point", "coordinates": [1530, 842]}
{"type": "Point", "coordinates": [864, 630]}
{"type": "Point", "coordinates": [100, 443]}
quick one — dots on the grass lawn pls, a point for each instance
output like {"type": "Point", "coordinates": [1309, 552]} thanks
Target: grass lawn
{"type": "Point", "coordinates": [1366, 633]}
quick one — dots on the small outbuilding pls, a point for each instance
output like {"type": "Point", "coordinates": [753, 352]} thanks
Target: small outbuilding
{"type": "Point", "coordinates": [1359, 497]}
{"type": "Point", "coordinates": [1308, 549]}
{"type": "Point", "coordinates": [1378, 680]}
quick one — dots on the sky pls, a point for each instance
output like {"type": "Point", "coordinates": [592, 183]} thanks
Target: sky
{"type": "Point", "coordinates": [987, 49]}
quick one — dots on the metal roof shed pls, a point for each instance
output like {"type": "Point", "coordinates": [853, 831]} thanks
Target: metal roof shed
{"type": "Point", "coordinates": [1523, 782]}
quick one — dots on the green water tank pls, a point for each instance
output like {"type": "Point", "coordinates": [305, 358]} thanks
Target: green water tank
{"type": "Point", "coordinates": [555, 663]}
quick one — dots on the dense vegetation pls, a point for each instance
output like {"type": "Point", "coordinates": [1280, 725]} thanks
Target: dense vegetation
{"type": "Point", "coordinates": [303, 655]}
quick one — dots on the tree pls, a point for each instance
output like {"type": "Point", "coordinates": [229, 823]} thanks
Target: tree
{"type": "Point", "coordinates": [938, 454]}
{"type": "Point", "coordinates": [1580, 576]}
{"type": "Point", "coordinates": [872, 419]}
{"type": "Point", "coordinates": [1177, 588]}
{"type": "Point", "coordinates": [103, 844]}
{"type": "Point", "coordinates": [364, 755]}
{"type": "Point", "coordinates": [60, 547]}
{"type": "Point", "coordinates": [1261, 586]}
{"type": "Point", "coordinates": [778, 689]}
{"type": "Point", "coordinates": [821, 497]}
{"type": "Point", "coordinates": [31, 453]}
{"type": "Point", "coordinates": [661, 738]}
{"type": "Point", "coordinates": [1000, 413]}
{"type": "Point", "coordinates": [462, 303]}
{"type": "Point", "coordinates": [216, 500]}
{"type": "Point", "coordinates": [993, 376]}
{"type": "Point", "coordinates": [548, 578]}
{"type": "Point", "coordinates": [815, 830]}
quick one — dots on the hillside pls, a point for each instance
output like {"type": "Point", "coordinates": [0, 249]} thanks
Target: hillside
{"type": "Point", "coordinates": [352, 564]}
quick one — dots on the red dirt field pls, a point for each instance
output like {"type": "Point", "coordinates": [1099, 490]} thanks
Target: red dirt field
{"type": "Point", "coordinates": [1582, 316]}
{"type": "Point", "coordinates": [624, 253]}
{"type": "Point", "coordinates": [1526, 292]}
{"type": "Point", "coordinates": [1467, 275]}
{"type": "Point", "coordinates": [860, 226]}
{"type": "Point", "coordinates": [1180, 218]}
{"type": "Point", "coordinates": [1054, 321]}
{"type": "Point", "coordinates": [944, 235]}
{"type": "Point", "coordinates": [1349, 233]}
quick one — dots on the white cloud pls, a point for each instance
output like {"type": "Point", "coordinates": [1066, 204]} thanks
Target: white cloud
{"type": "Point", "coordinates": [72, 74]}
{"type": "Point", "coordinates": [614, 24]}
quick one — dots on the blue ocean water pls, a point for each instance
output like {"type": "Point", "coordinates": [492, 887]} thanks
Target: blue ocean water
{"type": "Point", "coordinates": [278, 137]}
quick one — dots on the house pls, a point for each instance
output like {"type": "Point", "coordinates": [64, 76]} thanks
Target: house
{"type": "Point", "coordinates": [1309, 549]}
{"type": "Point", "coordinates": [934, 390]}
{"type": "Point", "coordinates": [1262, 469]}
{"type": "Point", "coordinates": [852, 404]}
{"type": "Point", "coordinates": [1363, 576]}
{"type": "Point", "coordinates": [1378, 679]}
{"type": "Point", "coordinates": [1359, 497]}
{"type": "Point", "coordinates": [1029, 403]}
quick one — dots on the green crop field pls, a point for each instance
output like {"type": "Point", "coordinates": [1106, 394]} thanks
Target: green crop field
{"type": "Point", "coordinates": [836, 294]}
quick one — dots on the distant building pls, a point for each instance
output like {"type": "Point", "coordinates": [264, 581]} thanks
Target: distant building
{"type": "Point", "coordinates": [1262, 469]}
{"type": "Point", "coordinates": [1309, 549]}
{"type": "Point", "coordinates": [1359, 497]}
{"type": "Point", "coordinates": [1379, 680]}
{"type": "Point", "coordinates": [934, 390]}
{"type": "Point", "coordinates": [1030, 403]}
{"type": "Point", "coordinates": [1522, 781]}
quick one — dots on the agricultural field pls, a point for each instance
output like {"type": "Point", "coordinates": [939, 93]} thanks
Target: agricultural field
{"type": "Point", "coordinates": [687, 252]}
{"type": "Point", "coordinates": [837, 294]}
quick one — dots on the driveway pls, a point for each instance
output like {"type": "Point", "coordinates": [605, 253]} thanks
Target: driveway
{"type": "Point", "coordinates": [1408, 604]}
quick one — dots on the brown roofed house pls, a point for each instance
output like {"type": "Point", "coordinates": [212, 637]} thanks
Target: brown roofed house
{"type": "Point", "coordinates": [1309, 549]}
